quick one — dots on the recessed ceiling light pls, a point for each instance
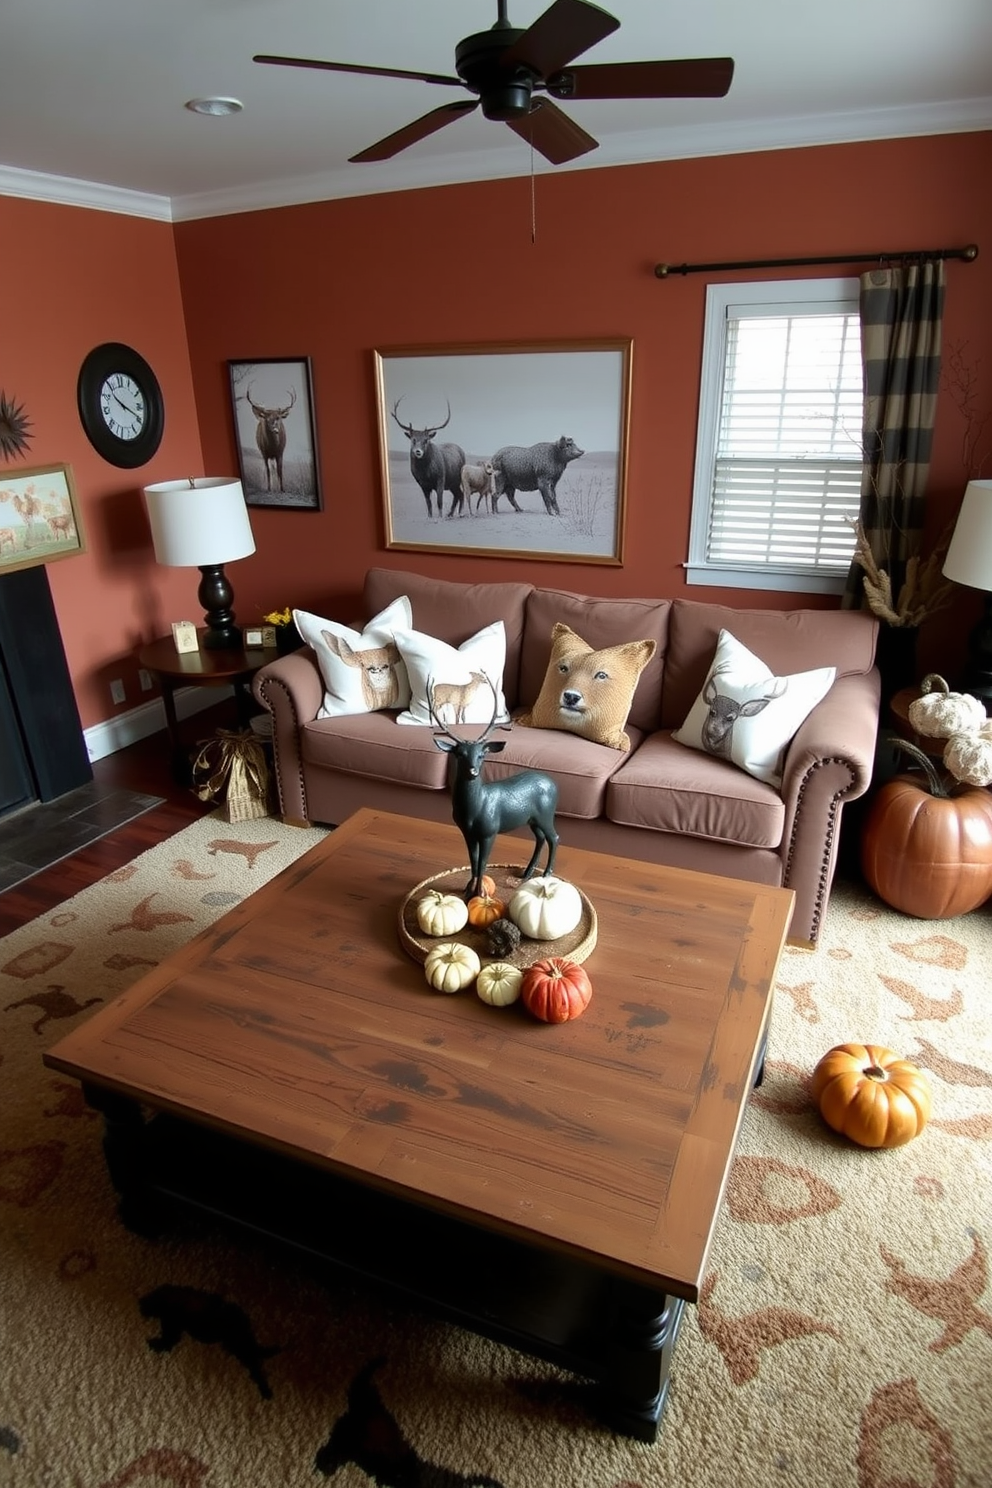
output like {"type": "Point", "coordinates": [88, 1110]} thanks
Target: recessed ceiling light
{"type": "Point", "coordinates": [215, 106]}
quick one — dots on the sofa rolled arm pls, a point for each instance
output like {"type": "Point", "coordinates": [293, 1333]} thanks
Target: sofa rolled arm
{"type": "Point", "coordinates": [829, 762]}
{"type": "Point", "coordinates": [291, 690]}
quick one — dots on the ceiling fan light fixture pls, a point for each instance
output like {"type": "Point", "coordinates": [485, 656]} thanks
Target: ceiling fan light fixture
{"type": "Point", "coordinates": [509, 100]}
{"type": "Point", "coordinates": [214, 108]}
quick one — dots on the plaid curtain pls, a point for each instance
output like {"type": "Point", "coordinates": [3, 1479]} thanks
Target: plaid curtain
{"type": "Point", "coordinates": [901, 314]}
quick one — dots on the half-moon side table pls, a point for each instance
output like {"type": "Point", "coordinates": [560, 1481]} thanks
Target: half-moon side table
{"type": "Point", "coordinates": [173, 669]}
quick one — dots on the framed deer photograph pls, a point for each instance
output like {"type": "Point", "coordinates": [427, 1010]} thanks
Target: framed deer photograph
{"type": "Point", "coordinates": [39, 517]}
{"type": "Point", "coordinates": [276, 433]}
{"type": "Point", "coordinates": [515, 451]}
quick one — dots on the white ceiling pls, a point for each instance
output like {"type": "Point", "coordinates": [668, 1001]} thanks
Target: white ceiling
{"type": "Point", "coordinates": [92, 91]}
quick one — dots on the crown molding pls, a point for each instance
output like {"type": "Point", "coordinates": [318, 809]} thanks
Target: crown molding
{"type": "Point", "coordinates": [411, 174]}
{"type": "Point", "coordinates": [636, 148]}
{"type": "Point", "coordinates": [67, 191]}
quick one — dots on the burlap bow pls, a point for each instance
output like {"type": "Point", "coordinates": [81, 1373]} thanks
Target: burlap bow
{"type": "Point", "coordinates": [234, 764]}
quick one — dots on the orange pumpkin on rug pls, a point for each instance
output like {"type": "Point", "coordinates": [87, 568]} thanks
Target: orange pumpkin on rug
{"type": "Point", "coordinates": [871, 1095]}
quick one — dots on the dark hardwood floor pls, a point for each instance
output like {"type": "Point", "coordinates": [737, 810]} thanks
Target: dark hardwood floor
{"type": "Point", "coordinates": [145, 767]}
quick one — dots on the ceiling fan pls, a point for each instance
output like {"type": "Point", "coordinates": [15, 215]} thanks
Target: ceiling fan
{"type": "Point", "coordinates": [505, 67]}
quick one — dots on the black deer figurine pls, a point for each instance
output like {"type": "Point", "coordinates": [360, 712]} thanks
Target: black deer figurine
{"type": "Point", "coordinates": [481, 809]}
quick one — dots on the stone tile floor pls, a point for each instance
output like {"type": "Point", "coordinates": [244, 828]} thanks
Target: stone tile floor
{"type": "Point", "coordinates": [45, 832]}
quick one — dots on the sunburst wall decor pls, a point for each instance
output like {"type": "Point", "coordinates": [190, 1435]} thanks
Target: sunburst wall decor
{"type": "Point", "coordinates": [15, 427]}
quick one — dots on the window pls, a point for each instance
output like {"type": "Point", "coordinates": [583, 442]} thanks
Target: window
{"type": "Point", "coordinates": [778, 453]}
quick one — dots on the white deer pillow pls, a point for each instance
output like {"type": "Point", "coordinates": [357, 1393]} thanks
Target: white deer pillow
{"type": "Point", "coordinates": [362, 671]}
{"type": "Point", "coordinates": [747, 715]}
{"type": "Point", "coordinates": [459, 678]}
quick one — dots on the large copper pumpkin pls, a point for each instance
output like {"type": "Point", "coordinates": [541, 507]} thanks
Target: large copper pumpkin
{"type": "Point", "coordinates": [927, 850]}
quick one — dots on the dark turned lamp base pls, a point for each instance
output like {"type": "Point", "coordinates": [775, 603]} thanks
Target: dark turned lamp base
{"type": "Point", "coordinates": [216, 596]}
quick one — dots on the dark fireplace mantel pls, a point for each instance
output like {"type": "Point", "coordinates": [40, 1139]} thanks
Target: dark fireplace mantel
{"type": "Point", "coordinates": [42, 749]}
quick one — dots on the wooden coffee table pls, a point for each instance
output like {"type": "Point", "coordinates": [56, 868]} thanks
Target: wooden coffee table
{"type": "Point", "coordinates": [555, 1188]}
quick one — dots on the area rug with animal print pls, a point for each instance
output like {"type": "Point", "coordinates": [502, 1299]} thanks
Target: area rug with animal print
{"type": "Point", "coordinates": [843, 1335]}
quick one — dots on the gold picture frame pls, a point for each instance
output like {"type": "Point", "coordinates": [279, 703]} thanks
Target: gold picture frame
{"type": "Point", "coordinates": [568, 401]}
{"type": "Point", "coordinates": [39, 517]}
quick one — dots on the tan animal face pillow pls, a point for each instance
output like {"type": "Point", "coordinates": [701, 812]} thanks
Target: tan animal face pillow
{"type": "Point", "coordinates": [589, 692]}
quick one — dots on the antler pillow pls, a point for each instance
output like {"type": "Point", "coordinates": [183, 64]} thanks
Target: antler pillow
{"type": "Point", "coordinates": [588, 692]}
{"type": "Point", "coordinates": [747, 715]}
{"type": "Point", "coordinates": [460, 681]}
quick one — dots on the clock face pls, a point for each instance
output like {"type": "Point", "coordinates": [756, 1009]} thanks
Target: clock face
{"type": "Point", "coordinates": [120, 404]}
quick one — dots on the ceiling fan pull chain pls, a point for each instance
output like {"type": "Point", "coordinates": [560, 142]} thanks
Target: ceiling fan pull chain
{"type": "Point", "coordinates": [533, 200]}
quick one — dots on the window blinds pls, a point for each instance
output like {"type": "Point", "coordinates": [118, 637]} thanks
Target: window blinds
{"type": "Point", "coordinates": [787, 478]}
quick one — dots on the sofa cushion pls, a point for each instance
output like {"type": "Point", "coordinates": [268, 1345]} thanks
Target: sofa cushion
{"type": "Point", "coordinates": [601, 622]}
{"type": "Point", "coordinates": [370, 745]}
{"type": "Point", "coordinates": [784, 639]}
{"type": "Point", "coordinates": [452, 612]}
{"type": "Point", "coordinates": [667, 788]}
{"type": "Point", "coordinates": [580, 768]}
{"type": "Point", "coordinates": [587, 692]}
{"type": "Point", "coordinates": [460, 679]}
{"type": "Point", "coordinates": [746, 714]}
{"type": "Point", "coordinates": [363, 672]}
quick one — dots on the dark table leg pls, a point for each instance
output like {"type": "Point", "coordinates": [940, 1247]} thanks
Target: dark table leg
{"type": "Point", "coordinates": [124, 1151]}
{"type": "Point", "coordinates": [244, 701]}
{"type": "Point", "coordinates": [640, 1358]}
{"type": "Point", "coordinates": [181, 768]}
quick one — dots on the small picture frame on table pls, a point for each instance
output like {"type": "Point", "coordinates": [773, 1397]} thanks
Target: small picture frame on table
{"type": "Point", "coordinates": [185, 637]}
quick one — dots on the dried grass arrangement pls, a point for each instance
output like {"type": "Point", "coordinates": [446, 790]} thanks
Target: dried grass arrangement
{"type": "Point", "coordinates": [924, 590]}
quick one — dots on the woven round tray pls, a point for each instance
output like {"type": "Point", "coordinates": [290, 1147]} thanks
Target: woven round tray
{"type": "Point", "coordinates": [575, 946]}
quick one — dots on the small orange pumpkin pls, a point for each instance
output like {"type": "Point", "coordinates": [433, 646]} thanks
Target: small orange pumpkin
{"type": "Point", "coordinates": [871, 1095]}
{"type": "Point", "coordinates": [483, 909]}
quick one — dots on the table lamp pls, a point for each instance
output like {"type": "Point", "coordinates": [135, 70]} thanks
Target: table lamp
{"type": "Point", "coordinates": [203, 523]}
{"type": "Point", "coordinates": [969, 561]}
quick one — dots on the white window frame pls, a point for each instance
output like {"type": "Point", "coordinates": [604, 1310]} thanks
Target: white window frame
{"type": "Point", "coordinates": [780, 296]}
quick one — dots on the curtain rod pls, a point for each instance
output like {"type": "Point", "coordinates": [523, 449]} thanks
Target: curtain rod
{"type": "Point", "coordinates": [967, 254]}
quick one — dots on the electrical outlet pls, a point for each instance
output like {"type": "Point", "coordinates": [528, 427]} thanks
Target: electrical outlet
{"type": "Point", "coordinates": [117, 690]}
{"type": "Point", "coordinates": [145, 678]}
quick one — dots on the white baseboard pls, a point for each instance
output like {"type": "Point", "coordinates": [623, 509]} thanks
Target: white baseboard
{"type": "Point", "coordinates": [148, 718]}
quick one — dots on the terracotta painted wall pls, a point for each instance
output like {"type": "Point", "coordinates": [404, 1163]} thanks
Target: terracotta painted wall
{"type": "Point", "coordinates": [451, 266]}
{"type": "Point", "coordinates": [74, 278]}
{"type": "Point", "coordinates": [457, 265]}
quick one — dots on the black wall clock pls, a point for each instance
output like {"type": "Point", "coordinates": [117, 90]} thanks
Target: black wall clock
{"type": "Point", "coordinates": [120, 404]}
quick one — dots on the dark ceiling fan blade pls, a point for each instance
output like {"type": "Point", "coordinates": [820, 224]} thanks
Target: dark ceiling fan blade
{"type": "Point", "coordinates": [566, 30]}
{"type": "Point", "coordinates": [396, 72]}
{"type": "Point", "coordinates": [549, 129]}
{"type": "Point", "coordinates": [385, 149]}
{"type": "Point", "coordinates": [700, 77]}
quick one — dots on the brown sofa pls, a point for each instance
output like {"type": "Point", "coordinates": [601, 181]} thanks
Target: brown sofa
{"type": "Point", "coordinates": [662, 802]}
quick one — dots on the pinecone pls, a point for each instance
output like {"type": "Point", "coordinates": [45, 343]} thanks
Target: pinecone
{"type": "Point", "coordinates": [503, 937]}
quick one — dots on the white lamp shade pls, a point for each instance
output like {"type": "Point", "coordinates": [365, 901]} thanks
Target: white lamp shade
{"type": "Point", "coordinates": [969, 557]}
{"type": "Point", "coordinates": [200, 524]}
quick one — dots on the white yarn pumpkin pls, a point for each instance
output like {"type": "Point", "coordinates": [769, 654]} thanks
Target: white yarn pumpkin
{"type": "Point", "coordinates": [969, 756]}
{"type": "Point", "coordinates": [939, 713]}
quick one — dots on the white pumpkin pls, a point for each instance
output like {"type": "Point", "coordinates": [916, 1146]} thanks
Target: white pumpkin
{"type": "Point", "coordinates": [441, 914]}
{"type": "Point", "coordinates": [450, 967]}
{"type": "Point", "coordinates": [546, 908]}
{"type": "Point", "coordinates": [940, 712]}
{"type": "Point", "coordinates": [969, 756]}
{"type": "Point", "coordinates": [499, 983]}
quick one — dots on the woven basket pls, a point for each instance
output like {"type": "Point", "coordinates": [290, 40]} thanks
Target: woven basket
{"type": "Point", "coordinates": [233, 773]}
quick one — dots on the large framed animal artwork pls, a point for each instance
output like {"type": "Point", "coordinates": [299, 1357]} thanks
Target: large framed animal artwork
{"type": "Point", "coordinates": [39, 517]}
{"type": "Point", "coordinates": [508, 451]}
{"type": "Point", "coordinates": [276, 432]}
